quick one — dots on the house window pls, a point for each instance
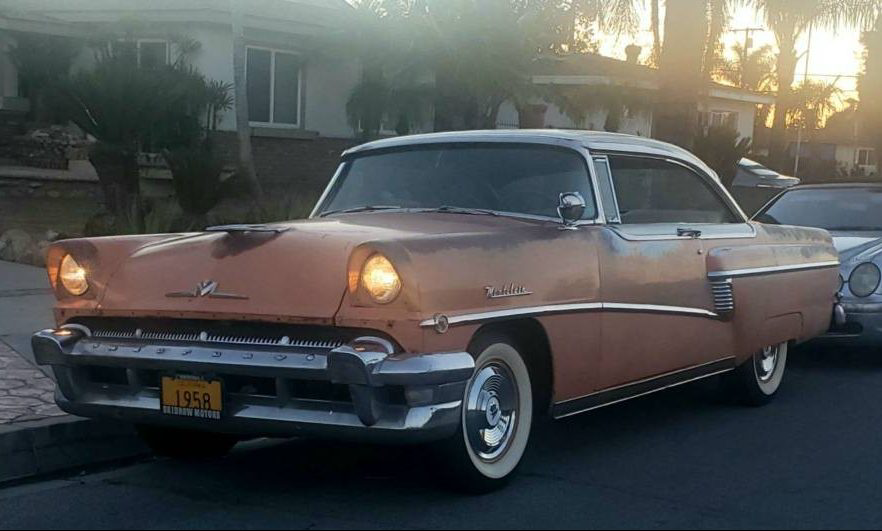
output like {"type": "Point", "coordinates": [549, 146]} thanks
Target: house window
{"type": "Point", "coordinates": [274, 84]}
{"type": "Point", "coordinates": [152, 54]}
{"type": "Point", "coordinates": [149, 53]}
{"type": "Point", "coordinates": [866, 157]}
{"type": "Point", "coordinates": [723, 119]}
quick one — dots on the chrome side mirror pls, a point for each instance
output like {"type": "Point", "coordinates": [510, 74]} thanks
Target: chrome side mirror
{"type": "Point", "coordinates": [571, 209]}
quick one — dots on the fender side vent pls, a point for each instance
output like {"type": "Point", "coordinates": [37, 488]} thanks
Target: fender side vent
{"type": "Point", "coordinates": [724, 296]}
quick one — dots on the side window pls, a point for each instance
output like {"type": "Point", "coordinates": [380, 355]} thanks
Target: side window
{"type": "Point", "coordinates": [656, 191]}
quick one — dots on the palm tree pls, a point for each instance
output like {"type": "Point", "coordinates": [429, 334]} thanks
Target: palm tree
{"type": "Point", "coordinates": [719, 14]}
{"type": "Point", "coordinates": [789, 20]}
{"type": "Point", "coordinates": [753, 71]}
{"type": "Point", "coordinates": [814, 101]}
{"type": "Point", "coordinates": [676, 117]}
{"type": "Point", "coordinates": [870, 82]}
{"type": "Point", "coordinates": [243, 124]}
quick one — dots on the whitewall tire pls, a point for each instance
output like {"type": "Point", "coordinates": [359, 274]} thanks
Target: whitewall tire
{"type": "Point", "coordinates": [758, 380]}
{"type": "Point", "coordinates": [496, 420]}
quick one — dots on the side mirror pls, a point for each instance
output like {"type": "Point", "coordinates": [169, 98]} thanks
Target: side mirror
{"type": "Point", "coordinates": [571, 209]}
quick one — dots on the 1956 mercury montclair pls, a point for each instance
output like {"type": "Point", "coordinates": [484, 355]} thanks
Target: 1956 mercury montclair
{"type": "Point", "coordinates": [447, 289]}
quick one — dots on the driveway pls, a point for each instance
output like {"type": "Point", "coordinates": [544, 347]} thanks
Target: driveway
{"type": "Point", "coordinates": [680, 459]}
{"type": "Point", "coordinates": [25, 305]}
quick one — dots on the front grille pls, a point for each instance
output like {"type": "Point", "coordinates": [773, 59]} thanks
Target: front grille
{"type": "Point", "coordinates": [724, 296]}
{"type": "Point", "coordinates": [219, 333]}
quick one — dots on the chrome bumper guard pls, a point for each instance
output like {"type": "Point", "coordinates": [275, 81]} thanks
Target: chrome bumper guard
{"type": "Point", "coordinates": [431, 386]}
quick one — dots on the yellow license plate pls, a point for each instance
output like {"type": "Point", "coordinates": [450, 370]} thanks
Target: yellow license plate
{"type": "Point", "coordinates": [184, 397]}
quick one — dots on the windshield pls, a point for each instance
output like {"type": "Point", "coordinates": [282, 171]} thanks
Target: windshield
{"type": "Point", "coordinates": [835, 209]}
{"type": "Point", "coordinates": [515, 179]}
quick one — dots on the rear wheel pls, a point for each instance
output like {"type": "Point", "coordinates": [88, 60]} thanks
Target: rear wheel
{"type": "Point", "coordinates": [757, 381]}
{"type": "Point", "coordinates": [185, 444]}
{"type": "Point", "coordinates": [497, 417]}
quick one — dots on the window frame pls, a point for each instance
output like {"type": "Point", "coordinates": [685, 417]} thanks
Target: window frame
{"type": "Point", "coordinates": [599, 218]}
{"type": "Point", "coordinates": [272, 86]}
{"type": "Point", "coordinates": [712, 184]}
{"type": "Point", "coordinates": [870, 154]}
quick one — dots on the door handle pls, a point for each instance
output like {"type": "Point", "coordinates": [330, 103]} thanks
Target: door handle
{"type": "Point", "coordinates": [690, 233]}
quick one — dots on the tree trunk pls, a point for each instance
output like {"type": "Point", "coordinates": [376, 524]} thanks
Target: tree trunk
{"type": "Point", "coordinates": [712, 51]}
{"type": "Point", "coordinates": [870, 87]}
{"type": "Point", "coordinates": [243, 125]}
{"type": "Point", "coordinates": [676, 117]}
{"type": "Point", "coordinates": [656, 33]}
{"type": "Point", "coordinates": [120, 179]}
{"type": "Point", "coordinates": [786, 72]}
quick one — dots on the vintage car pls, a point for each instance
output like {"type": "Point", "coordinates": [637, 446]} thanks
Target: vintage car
{"type": "Point", "coordinates": [447, 289]}
{"type": "Point", "coordinates": [852, 213]}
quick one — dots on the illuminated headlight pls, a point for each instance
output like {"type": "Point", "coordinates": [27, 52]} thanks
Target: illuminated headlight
{"type": "Point", "coordinates": [864, 280]}
{"type": "Point", "coordinates": [73, 276]}
{"type": "Point", "coordinates": [380, 280]}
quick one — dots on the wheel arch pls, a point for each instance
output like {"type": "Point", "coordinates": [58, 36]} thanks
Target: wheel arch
{"type": "Point", "coordinates": [532, 341]}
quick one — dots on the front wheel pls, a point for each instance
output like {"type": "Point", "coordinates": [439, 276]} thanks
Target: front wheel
{"type": "Point", "coordinates": [757, 381]}
{"type": "Point", "coordinates": [497, 417]}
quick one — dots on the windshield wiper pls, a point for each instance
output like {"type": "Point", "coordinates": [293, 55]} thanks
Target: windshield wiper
{"type": "Point", "coordinates": [446, 209]}
{"type": "Point", "coordinates": [369, 208]}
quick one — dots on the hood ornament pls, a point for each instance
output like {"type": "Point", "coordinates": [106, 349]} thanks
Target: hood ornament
{"type": "Point", "coordinates": [205, 289]}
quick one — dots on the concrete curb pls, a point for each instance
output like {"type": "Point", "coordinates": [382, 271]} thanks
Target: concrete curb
{"type": "Point", "coordinates": [49, 446]}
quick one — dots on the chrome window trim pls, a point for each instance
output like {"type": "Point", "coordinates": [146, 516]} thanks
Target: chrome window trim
{"type": "Point", "coordinates": [579, 149]}
{"type": "Point", "coordinates": [713, 183]}
{"type": "Point", "coordinates": [752, 271]}
{"type": "Point", "coordinates": [615, 217]}
{"type": "Point", "coordinates": [619, 229]}
{"type": "Point", "coordinates": [552, 309]}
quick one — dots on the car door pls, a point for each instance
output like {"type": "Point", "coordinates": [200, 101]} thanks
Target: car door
{"type": "Point", "coordinates": [659, 315]}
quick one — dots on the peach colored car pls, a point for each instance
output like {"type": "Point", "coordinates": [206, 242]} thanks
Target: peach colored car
{"type": "Point", "coordinates": [447, 289]}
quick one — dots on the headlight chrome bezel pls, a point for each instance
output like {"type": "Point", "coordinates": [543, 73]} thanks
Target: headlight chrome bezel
{"type": "Point", "coordinates": [876, 280]}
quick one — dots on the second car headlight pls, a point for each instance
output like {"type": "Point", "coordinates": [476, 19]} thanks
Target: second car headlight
{"type": "Point", "coordinates": [380, 280]}
{"type": "Point", "coordinates": [864, 280]}
{"type": "Point", "coordinates": [73, 276]}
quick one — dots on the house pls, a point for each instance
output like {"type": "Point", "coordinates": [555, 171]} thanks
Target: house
{"type": "Point", "coordinates": [297, 89]}
{"type": "Point", "coordinates": [624, 90]}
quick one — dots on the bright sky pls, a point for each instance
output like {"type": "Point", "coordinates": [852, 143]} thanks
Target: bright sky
{"type": "Point", "coordinates": [831, 54]}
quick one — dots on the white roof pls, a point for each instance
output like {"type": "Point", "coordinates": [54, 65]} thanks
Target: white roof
{"type": "Point", "coordinates": [595, 141]}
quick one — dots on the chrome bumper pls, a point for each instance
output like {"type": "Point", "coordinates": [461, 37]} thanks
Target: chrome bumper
{"type": "Point", "coordinates": [390, 397]}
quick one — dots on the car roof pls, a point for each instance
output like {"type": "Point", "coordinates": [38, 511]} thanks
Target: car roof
{"type": "Point", "coordinates": [595, 141]}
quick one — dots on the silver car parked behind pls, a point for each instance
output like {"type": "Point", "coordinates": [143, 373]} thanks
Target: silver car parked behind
{"type": "Point", "coordinates": [853, 214]}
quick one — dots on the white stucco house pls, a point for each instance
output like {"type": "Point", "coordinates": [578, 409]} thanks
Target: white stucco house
{"type": "Point", "coordinates": [723, 105]}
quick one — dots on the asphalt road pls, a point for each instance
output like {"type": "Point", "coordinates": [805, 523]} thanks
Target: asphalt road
{"type": "Point", "coordinates": [681, 459]}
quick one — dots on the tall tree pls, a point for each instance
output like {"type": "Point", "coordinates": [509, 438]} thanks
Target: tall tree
{"type": "Point", "coordinates": [655, 22]}
{"type": "Point", "coordinates": [686, 28]}
{"type": "Point", "coordinates": [789, 21]}
{"type": "Point", "coordinates": [870, 87]}
{"type": "Point", "coordinates": [243, 125]}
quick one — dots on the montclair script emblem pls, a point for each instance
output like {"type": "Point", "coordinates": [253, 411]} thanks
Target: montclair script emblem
{"type": "Point", "coordinates": [205, 289]}
{"type": "Point", "coordinates": [509, 290]}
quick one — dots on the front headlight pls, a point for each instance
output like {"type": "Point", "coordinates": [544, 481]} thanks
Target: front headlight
{"type": "Point", "coordinates": [73, 276]}
{"type": "Point", "coordinates": [380, 280]}
{"type": "Point", "coordinates": [864, 280]}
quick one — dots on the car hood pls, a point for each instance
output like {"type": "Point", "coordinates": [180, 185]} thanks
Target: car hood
{"type": "Point", "coordinates": [298, 274]}
{"type": "Point", "coordinates": [858, 246]}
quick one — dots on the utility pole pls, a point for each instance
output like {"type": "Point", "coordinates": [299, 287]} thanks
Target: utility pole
{"type": "Point", "coordinates": [808, 56]}
{"type": "Point", "coordinates": [745, 52]}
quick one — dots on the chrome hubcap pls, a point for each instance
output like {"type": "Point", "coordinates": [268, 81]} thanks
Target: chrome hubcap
{"type": "Point", "coordinates": [766, 363]}
{"type": "Point", "coordinates": [491, 413]}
